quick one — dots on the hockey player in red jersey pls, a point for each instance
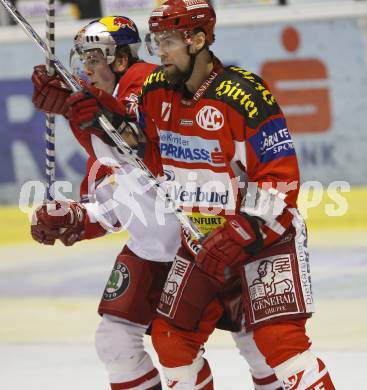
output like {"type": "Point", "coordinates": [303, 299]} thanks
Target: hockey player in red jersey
{"type": "Point", "coordinates": [225, 141]}
{"type": "Point", "coordinates": [108, 49]}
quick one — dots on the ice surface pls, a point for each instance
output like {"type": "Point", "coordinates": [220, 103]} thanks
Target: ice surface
{"type": "Point", "coordinates": [48, 299]}
{"type": "Point", "coordinates": [75, 367]}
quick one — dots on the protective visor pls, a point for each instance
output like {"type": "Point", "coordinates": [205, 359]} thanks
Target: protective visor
{"type": "Point", "coordinates": [77, 66]}
{"type": "Point", "coordinates": [166, 41]}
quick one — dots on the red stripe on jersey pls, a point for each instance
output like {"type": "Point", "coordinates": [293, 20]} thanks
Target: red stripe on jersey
{"type": "Point", "coordinates": [135, 383]}
{"type": "Point", "coordinates": [194, 165]}
{"type": "Point", "coordinates": [204, 376]}
{"type": "Point", "coordinates": [265, 381]}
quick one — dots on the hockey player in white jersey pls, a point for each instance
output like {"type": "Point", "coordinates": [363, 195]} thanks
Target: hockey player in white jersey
{"type": "Point", "coordinates": [118, 198]}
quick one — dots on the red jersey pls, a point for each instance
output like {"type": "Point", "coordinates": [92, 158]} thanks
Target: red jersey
{"type": "Point", "coordinates": [126, 94]}
{"type": "Point", "coordinates": [226, 148]}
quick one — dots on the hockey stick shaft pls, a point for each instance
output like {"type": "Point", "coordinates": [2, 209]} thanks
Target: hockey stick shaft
{"type": "Point", "coordinates": [50, 118]}
{"type": "Point", "coordinates": [104, 122]}
{"type": "Point", "coordinates": [28, 29]}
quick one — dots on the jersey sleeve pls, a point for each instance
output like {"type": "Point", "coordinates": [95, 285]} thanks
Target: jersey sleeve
{"type": "Point", "coordinates": [101, 211]}
{"type": "Point", "coordinates": [273, 176]}
{"type": "Point", "coordinates": [98, 218]}
{"type": "Point", "coordinates": [265, 148]}
{"type": "Point", "coordinates": [95, 173]}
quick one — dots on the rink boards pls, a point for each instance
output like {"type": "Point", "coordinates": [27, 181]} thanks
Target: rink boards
{"type": "Point", "coordinates": [348, 212]}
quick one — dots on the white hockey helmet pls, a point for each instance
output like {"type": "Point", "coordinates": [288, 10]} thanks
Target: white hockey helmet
{"type": "Point", "coordinates": [106, 34]}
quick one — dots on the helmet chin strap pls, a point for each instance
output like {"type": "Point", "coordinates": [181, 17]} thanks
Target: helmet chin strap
{"type": "Point", "coordinates": [193, 56]}
{"type": "Point", "coordinates": [188, 74]}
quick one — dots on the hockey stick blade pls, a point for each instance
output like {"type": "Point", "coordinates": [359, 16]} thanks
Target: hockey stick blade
{"type": "Point", "coordinates": [104, 122]}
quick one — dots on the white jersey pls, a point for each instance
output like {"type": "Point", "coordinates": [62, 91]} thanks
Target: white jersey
{"type": "Point", "coordinates": [126, 200]}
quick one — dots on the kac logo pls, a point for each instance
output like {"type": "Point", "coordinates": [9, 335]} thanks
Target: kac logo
{"type": "Point", "coordinates": [210, 118]}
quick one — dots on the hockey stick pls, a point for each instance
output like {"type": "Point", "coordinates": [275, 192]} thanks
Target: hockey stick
{"type": "Point", "coordinates": [50, 118]}
{"type": "Point", "coordinates": [104, 122]}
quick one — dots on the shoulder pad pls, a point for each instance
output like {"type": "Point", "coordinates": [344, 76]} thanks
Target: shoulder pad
{"type": "Point", "coordinates": [246, 93]}
{"type": "Point", "coordinates": [155, 80]}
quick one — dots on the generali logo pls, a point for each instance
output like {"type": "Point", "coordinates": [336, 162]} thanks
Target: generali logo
{"type": "Point", "coordinates": [210, 118]}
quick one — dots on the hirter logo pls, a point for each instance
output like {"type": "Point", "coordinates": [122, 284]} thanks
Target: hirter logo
{"type": "Point", "coordinates": [210, 118]}
{"type": "Point", "coordinates": [166, 111]}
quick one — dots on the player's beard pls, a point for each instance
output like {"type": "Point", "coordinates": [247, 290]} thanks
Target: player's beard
{"type": "Point", "coordinates": [174, 75]}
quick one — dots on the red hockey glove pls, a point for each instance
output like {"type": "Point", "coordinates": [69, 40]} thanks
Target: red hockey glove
{"type": "Point", "coordinates": [49, 93]}
{"type": "Point", "coordinates": [86, 106]}
{"type": "Point", "coordinates": [58, 220]}
{"type": "Point", "coordinates": [83, 108]}
{"type": "Point", "coordinates": [232, 244]}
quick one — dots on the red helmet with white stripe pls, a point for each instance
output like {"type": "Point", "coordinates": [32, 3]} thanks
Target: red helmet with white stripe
{"type": "Point", "coordinates": [184, 16]}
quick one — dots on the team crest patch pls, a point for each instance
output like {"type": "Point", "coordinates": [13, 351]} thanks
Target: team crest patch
{"type": "Point", "coordinates": [175, 284]}
{"type": "Point", "coordinates": [118, 282]}
{"type": "Point", "coordinates": [271, 287]}
{"type": "Point", "coordinates": [210, 118]}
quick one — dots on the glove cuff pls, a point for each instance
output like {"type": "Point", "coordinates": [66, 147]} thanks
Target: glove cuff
{"type": "Point", "coordinates": [255, 247]}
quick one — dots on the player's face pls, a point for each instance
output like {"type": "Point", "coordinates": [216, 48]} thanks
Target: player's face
{"type": "Point", "coordinates": [173, 52]}
{"type": "Point", "coordinates": [97, 70]}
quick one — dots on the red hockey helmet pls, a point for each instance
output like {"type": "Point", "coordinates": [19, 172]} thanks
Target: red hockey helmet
{"type": "Point", "coordinates": [184, 16]}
